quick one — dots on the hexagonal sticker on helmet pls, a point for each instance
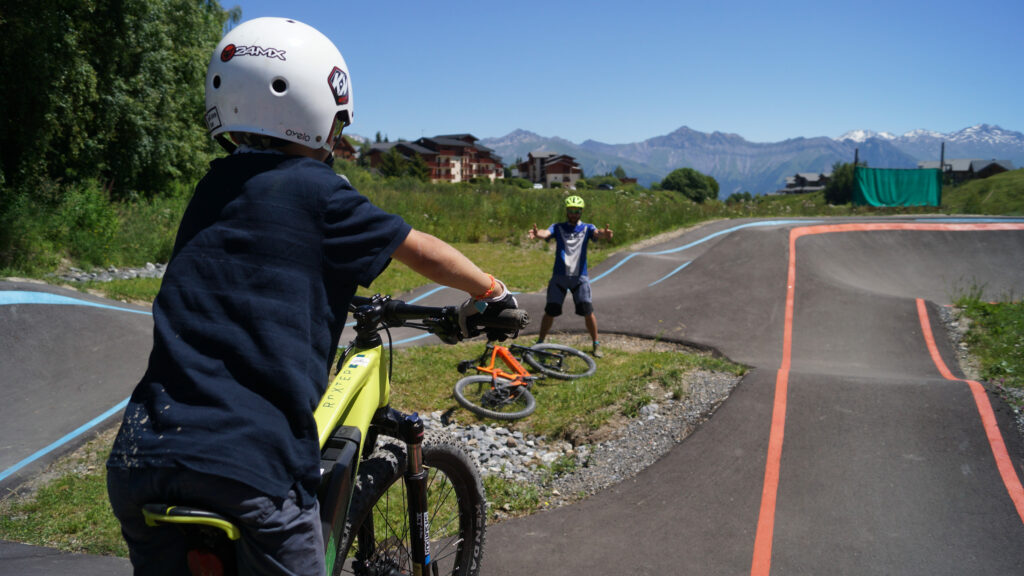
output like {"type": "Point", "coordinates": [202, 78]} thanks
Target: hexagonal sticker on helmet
{"type": "Point", "coordinates": [338, 81]}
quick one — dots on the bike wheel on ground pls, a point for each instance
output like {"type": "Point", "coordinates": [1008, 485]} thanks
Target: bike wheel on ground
{"type": "Point", "coordinates": [377, 535]}
{"type": "Point", "coordinates": [558, 361]}
{"type": "Point", "coordinates": [503, 401]}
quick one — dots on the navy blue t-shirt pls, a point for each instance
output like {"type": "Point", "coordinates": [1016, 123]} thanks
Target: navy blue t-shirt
{"type": "Point", "coordinates": [248, 318]}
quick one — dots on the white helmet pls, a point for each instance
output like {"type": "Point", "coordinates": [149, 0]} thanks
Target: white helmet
{"type": "Point", "coordinates": [281, 78]}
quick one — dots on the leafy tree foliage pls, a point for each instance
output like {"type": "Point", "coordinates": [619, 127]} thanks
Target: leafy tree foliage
{"type": "Point", "coordinates": [393, 165]}
{"type": "Point", "coordinates": [737, 197]}
{"type": "Point", "coordinates": [606, 180]}
{"type": "Point", "coordinates": [839, 189]}
{"type": "Point", "coordinates": [105, 90]}
{"type": "Point", "coordinates": [692, 184]}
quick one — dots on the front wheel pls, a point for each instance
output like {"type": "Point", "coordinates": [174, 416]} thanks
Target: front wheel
{"type": "Point", "coordinates": [377, 532]}
{"type": "Point", "coordinates": [504, 400]}
{"type": "Point", "coordinates": [558, 361]}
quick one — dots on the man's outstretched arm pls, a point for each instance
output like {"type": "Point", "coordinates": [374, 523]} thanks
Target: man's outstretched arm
{"type": "Point", "coordinates": [542, 234]}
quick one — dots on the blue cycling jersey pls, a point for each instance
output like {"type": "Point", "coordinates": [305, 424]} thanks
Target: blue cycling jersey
{"type": "Point", "coordinates": [571, 247]}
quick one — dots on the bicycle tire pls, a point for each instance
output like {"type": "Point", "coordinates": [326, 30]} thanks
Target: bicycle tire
{"type": "Point", "coordinates": [474, 394]}
{"type": "Point", "coordinates": [570, 364]}
{"type": "Point", "coordinates": [455, 502]}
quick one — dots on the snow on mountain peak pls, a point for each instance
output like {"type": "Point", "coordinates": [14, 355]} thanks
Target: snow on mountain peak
{"type": "Point", "coordinates": [921, 133]}
{"type": "Point", "coordinates": [863, 135]}
{"type": "Point", "coordinates": [977, 134]}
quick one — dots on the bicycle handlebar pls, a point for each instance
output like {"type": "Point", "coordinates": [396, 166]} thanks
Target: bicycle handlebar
{"type": "Point", "coordinates": [382, 311]}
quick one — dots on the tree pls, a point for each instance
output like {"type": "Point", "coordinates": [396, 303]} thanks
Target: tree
{"type": "Point", "coordinates": [737, 197]}
{"type": "Point", "coordinates": [120, 100]}
{"type": "Point", "coordinates": [619, 172]}
{"type": "Point", "coordinates": [418, 168]}
{"type": "Point", "coordinates": [392, 164]}
{"type": "Point", "coordinates": [839, 189]}
{"type": "Point", "coordinates": [692, 184]}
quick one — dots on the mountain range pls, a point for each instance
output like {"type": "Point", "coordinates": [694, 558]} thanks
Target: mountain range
{"type": "Point", "coordinates": [762, 167]}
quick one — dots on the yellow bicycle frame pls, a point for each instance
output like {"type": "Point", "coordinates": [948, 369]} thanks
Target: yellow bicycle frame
{"type": "Point", "coordinates": [358, 390]}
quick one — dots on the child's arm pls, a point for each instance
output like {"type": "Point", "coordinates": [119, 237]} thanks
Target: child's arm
{"type": "Point", "coordinates": [442, 263]}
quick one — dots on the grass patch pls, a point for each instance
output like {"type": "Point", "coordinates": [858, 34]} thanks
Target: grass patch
{"type": "Point", "coordinates": [512, 498]}
{"type": "Point", "coordinates": [135, 290]}
{"type": "Point", "coordinates": [999, 194]}
{"type": "Point", "coordinates": [570, 410]}
{"type": "Point", "coordinates": [70, 512]}
{"type": "Point", "coordinates": [523, 267]}
{"type": "Point", "coordinates": [996, 340]}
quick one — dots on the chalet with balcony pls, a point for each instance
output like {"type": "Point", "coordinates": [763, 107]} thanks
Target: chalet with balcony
{"type": "Point", "coordinates": [963, 169]}
{"type": "Point", "coordinates": [551, 170]}
{"type": "Point", "coordinates": [802, 182]}
{"type": "Point", "coordinates": [344, 149]}
{"type": "Point", "coordinates": [450, 157]}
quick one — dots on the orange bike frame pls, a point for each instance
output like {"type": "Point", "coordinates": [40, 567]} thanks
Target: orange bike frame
{"type": "Point", "coordinates": [509, 360]}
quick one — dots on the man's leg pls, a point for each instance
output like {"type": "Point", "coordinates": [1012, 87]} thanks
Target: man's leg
{"type": "Point", "coordinates": [585, 307]}
{"type": "Point", "coordinates": [545, 325]}
{"type": "Point", "coordinates": [591, 321]}
{"type": "Point", "coordinates": [552, 307]}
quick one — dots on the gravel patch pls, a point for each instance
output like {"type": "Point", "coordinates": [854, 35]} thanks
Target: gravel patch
{"type": "Point", "coordinates": [623, 448]}
{"type": "Point", "coordinates": [74, 275]}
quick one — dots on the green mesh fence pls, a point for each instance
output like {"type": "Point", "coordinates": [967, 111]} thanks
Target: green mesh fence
{"type": "Point", "coordinates": [889, 187]}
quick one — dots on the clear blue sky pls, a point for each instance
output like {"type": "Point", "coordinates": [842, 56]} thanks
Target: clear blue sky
{"type": "Point", "coordinates": [620, 72]}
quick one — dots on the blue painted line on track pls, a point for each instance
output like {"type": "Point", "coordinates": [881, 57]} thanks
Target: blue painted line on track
{"type": "Point", "coordinates": [669, 275]}
{"type": "Point", "coordinates": [14, 297]}
{"type": "Point", "coordinates": [701, 241]}
{"type": "Point", "coordinates": [67, 438]}
{"type": "Point", "coordinates": [413, 339]}
{"type": "Point", "coordinates": [427, 293]}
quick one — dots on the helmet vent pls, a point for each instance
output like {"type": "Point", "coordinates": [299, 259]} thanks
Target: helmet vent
{"type": "Point", "coordinates": [216, 82]}
{"type": "Point", "coordinates": [279, 86]}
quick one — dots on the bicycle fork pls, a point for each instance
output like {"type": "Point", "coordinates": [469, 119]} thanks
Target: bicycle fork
{"type": "Point", "coordinates": [416, 480]}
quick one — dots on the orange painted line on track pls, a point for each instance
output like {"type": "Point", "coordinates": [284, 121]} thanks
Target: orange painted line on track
{"type": "Point", "coordinates": [761, 563]}
{"type": "Point", "coordinates": [988, 417]}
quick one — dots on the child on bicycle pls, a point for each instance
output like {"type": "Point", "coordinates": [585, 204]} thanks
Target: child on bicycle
{"type": "Point", "coordinates": [570, 270]}
{"type": "Point", "coordinates": [247, 321]}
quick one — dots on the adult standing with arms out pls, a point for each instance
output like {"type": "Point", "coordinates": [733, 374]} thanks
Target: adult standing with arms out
{"type": "Point", "coordinates": [570, 269]}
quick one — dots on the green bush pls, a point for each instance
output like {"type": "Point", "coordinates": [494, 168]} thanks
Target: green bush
{"type": "Point", "coordinates": [692, 184]}
{"type": "Point", "coordinates": [25, 243]}
{"type": "Point", "coordinates": [85, 222]}
{"type": "Point", "coordinates": [839, 189]}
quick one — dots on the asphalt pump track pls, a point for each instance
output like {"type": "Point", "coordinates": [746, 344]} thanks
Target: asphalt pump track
{"type": "Point", "coordinates": [854, 445]}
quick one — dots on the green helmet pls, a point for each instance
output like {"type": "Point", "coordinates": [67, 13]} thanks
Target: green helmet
{"type": "Point", "coordinates": [574, 202]}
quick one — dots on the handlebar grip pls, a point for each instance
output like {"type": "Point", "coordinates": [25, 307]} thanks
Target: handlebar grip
{"type": "Point", "coordinates": [511, 319]}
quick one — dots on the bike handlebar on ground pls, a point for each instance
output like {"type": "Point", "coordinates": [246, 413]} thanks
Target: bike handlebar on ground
{"type": "Point", "coordinates": [383, 312]}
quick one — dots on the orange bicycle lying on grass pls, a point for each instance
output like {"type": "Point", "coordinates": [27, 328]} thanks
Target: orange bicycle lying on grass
{"type": "Point", "coordinates": [505, 395]}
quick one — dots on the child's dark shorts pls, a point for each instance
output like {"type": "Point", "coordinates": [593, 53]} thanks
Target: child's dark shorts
{"type": "Point", "coordinates": [279, 535]}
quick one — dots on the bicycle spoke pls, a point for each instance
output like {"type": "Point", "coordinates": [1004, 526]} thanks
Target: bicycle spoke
{"type": "Point", "coordinates": [444, 540]}
{"type": "Point", "coordinates": [394, 545]}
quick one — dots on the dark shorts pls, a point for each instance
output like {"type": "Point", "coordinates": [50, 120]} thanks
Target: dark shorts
{"type": "Point", "coordinates": [278, 536]}
{"type": "Point", "coordinates": [580, 288]}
